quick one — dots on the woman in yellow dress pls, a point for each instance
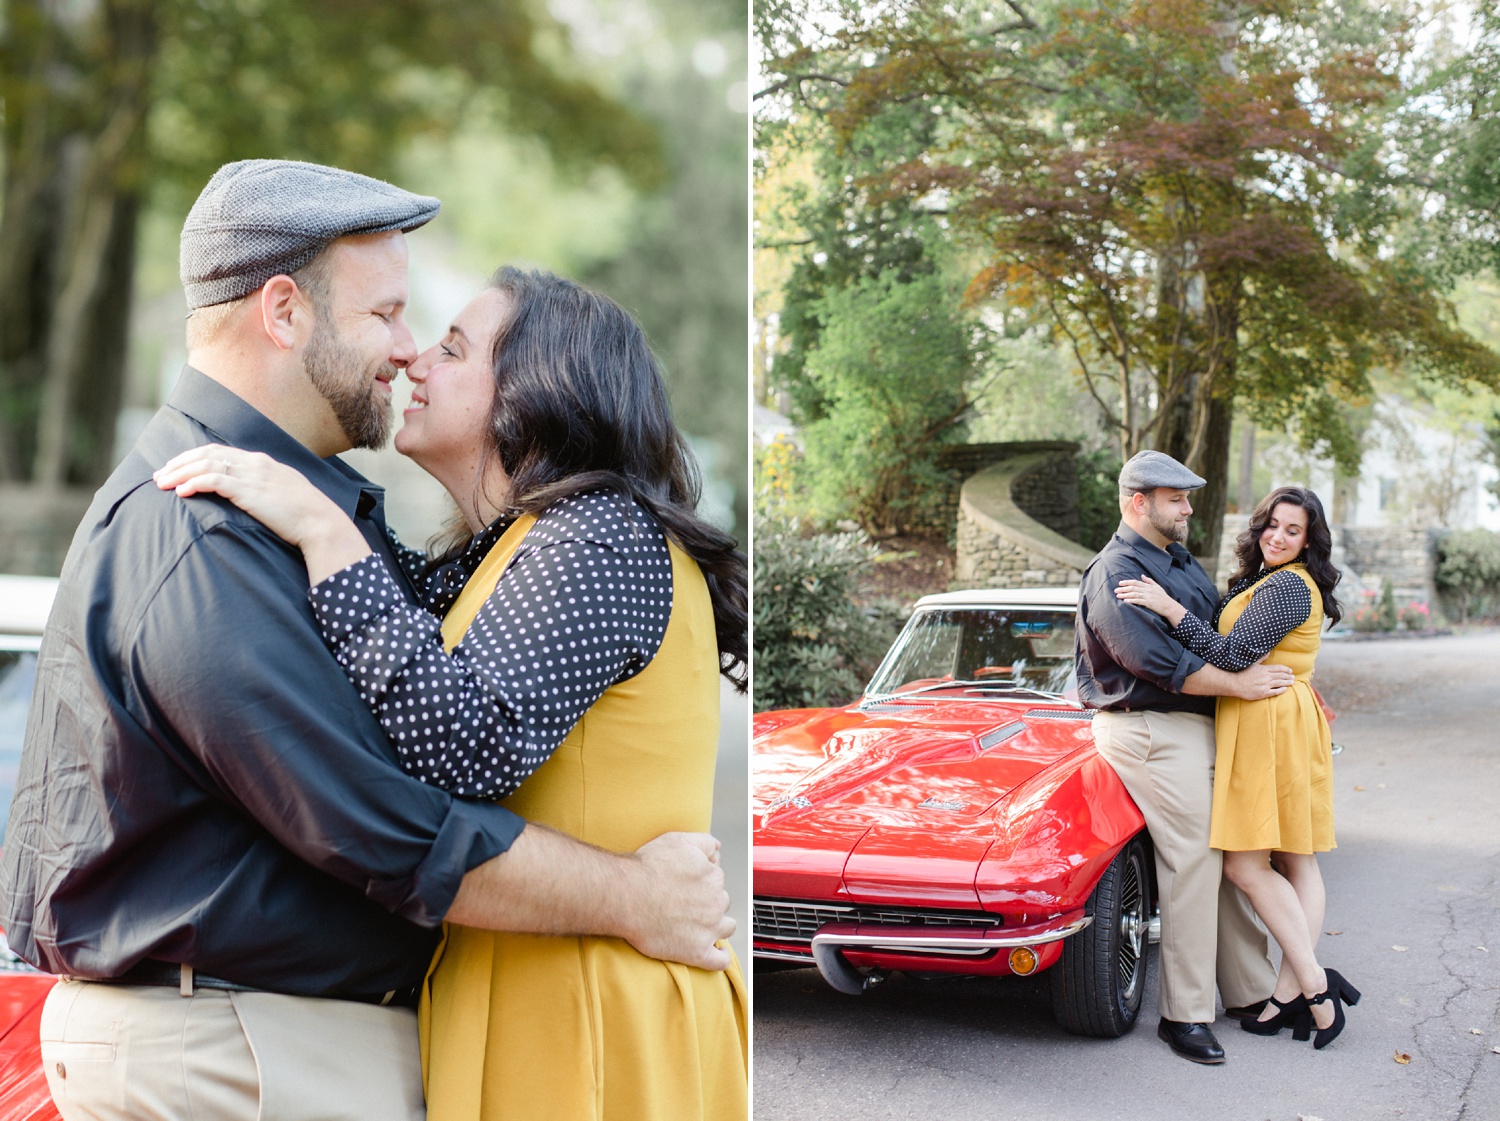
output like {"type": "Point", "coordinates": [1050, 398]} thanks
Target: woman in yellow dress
{"type": "Point", "coordinates": [1273, 789]}
{"type": "Point", "coordinates": [586, 615]}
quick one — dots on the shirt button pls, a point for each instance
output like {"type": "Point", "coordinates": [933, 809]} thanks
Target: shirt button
{"type": "Point", "coordinates": [62, 1071]}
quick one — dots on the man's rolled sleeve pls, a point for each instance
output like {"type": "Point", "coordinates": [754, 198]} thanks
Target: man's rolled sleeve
{"type": "Point", "coordinates": [472, 833]}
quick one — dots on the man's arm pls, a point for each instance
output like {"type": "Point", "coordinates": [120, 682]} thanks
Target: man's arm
{"type": "Point", "coordinates": [1253, 684]}
{"type": "Point", "coordinates": [666, 899]}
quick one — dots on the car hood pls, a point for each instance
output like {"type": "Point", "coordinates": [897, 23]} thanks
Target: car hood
{"type": "Point", "coordinates": [911, 763]}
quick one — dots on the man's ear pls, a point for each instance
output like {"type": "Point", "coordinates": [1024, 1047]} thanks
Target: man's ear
{"type": "Point", "coordinates": [284, 311]}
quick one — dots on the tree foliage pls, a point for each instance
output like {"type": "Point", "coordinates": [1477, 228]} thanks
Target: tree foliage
{"type": "Point", "coordinates": [890, 370]}
{"type": "Point", "coordinates": [1196, 196]}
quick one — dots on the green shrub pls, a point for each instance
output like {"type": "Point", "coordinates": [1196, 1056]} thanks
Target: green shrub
{"type": "Point", "coordinates": [1468, 571]}
{"type": "Point", "coordinates": [814, 645]}
{"type": "Point", "coordinates": [1098, 497]}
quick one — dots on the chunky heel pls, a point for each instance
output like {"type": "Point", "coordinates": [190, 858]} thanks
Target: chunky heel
{"type": "Point", "coordinates": [1347, 992]}
{"type": "Point", "coordinates": [1292, 1013]}
{"type": "Point", "coordinates": [1341, 992]}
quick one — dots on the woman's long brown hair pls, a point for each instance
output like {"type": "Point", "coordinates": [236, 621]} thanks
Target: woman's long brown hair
{"type": "Point", "coordinates": [1317, 550]}
{"type": "Point", "coordinates": [580, 405]}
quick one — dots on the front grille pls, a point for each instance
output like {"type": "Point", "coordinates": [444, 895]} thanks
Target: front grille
{"type": "Point", "coordinates": [786, 920]}
{"type": "Point", "coordinates": [1059, 714]}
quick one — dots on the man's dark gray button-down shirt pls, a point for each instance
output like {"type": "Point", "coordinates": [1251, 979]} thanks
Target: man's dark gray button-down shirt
{"type": "Point", "coordinates": [1126, 655]}
{"type": "Point", "coordinates": [200, 783]}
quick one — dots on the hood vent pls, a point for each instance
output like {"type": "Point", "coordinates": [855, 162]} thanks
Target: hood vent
{"type": "Point", "coordinates": [1059, 714]}
{"type": "Point", "coordinates": [1000, 734]}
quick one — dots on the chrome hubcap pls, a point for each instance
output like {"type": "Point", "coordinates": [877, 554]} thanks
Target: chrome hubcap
{"type": "Point", "coordinates": [1134, 923]}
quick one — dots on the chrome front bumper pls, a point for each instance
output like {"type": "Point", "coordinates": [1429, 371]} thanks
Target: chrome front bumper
{"type": "Point", "coordinates": [831, 941]}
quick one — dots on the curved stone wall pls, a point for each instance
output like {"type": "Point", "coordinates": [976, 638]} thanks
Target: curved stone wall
{"type": "Point", "coordinates": [999, 544]}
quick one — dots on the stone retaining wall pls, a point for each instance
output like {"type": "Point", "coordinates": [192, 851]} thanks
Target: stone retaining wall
{"type": "Point", "coordinates": [1368, 556]}
{"type": "Point", "coordinates": [1404, 555]}
{"type": "Point", "coordinates": [1000, 543]}
{"type": "Point", "coordinates": [1049, 492]}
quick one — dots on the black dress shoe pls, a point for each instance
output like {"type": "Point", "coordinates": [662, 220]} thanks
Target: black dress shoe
{"type": "Point", "coordinates": [1194, 1042]}
{"type": "Point", "coordinates": [1248, 1012]}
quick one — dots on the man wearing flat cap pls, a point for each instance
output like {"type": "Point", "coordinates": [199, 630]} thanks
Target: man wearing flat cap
{"type": "Point", "coordinates": [211, 838]}
{"type": "Point", "coordinates": [1155, 727]}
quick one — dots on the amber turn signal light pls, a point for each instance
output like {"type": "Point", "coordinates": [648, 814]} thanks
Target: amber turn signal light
{"type": "Point", "coordinates": [1022, 961]}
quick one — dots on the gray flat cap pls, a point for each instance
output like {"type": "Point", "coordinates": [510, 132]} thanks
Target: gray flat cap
{"type": "Point", "coordinates": [1149, 470]}
{"type": "Point", "coordinates": [259, 218]}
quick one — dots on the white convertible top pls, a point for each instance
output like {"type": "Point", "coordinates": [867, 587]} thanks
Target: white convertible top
{"type": "Point", "coordinates": [1004, 597]}
{"type": "Point", "coordinates": [24, 604]}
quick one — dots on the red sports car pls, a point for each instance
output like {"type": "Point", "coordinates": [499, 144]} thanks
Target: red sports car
{"type": "Point", "coordinates": [957, 819]}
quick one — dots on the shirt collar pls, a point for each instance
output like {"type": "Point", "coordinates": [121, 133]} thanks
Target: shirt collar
{"type": "Point", "coordinates": [1154, 557]}
{"type": "Point", "coordinates": [236, 422]}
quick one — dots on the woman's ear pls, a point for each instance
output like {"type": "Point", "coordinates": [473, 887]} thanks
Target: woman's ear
{"type": "Point", "coordinates": [284, 312]}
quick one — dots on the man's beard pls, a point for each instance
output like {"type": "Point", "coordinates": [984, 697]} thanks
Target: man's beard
{"type": "Point", "coordinates": [336, 373]}
{"type": "Point", "coordinates": [1166, 524]}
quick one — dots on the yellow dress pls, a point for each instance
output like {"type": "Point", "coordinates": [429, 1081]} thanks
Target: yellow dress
{"type": "Point", "coordinates": [1273, 774]}
{"type": "Point", "coordinates": [562, 1029]}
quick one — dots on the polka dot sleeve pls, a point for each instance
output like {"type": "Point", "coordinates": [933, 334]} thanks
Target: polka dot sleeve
{"type": "Point", "coordinates": [1277, 608]}
{"type": "Point", "coordinates": [583, 605]}
{"type": "Point", "coordinates": [410, 561]}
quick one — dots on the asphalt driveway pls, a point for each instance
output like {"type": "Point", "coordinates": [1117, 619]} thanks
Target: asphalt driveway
{"type": "Point", "coordinates": [1412, 895]}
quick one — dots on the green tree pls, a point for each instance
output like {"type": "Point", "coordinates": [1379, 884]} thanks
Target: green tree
{"type": "Point", "coordinates": [113, 104]}
{"type": "Point", "coordinates": [1190, 193]}
{"type": "Point", "coordinates": [890, 367]}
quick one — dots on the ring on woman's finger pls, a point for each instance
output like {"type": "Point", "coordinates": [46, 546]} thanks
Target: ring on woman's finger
{"type": "Point", "coordinates": [227, 467]}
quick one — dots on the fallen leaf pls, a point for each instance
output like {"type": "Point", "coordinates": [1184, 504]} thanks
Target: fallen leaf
{"type": "Point", "coordinates": [1333, 932]}
{"type": "Point", "coordinates": [1399, 949]}
{"type": "Point", "coordinates": [1495, 1050]}
{"type": "Point", "coordinates": [1475, 1031]}
{"type": "Point", "coordinates": [1483, 949]}
{"type": "Point", "coordinates": [1359, 788]}
{"type": "Point", "coordinates": [1380, 786]}
{"type": "Point", "coordinates": [1403, 1058]}
{"type": "Point", "coordinates": [1307, 1117]}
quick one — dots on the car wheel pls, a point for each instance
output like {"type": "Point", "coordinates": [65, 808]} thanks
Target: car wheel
{"type": "Point", "coordinates": [1096, 986]}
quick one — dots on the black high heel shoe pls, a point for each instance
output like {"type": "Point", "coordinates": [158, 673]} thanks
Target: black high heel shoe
{"type": "Point", "coordinates": [1341, 992]}
{"type": "Point", "coordinates": [1293, 1013]}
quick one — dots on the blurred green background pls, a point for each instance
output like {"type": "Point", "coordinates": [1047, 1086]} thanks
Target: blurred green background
{"type": "Point", "coordinates": [603, 139]}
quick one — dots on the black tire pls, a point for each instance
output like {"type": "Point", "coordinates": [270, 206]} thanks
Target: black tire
{"type": "Point", "coordinates": [1097, 985]}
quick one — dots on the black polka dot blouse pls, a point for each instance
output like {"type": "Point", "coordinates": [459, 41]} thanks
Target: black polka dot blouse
{"type": "Point", "coordinates": [1277, 608]}
{"type": "Point", "coordinates": [583, 605]}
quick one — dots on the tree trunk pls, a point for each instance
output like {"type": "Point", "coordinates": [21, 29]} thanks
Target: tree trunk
{"type": "Point", "coordinates": [1195, 427]}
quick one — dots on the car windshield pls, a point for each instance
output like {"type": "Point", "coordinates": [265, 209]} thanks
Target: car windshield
{"type": "Point", "coordinates": [979, 651]}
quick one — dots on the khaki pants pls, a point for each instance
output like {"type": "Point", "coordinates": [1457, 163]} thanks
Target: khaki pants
{"type": "Point", "coordinates": [113, 1052]}
{"type": "Point", "coordinates": [1208, 928]}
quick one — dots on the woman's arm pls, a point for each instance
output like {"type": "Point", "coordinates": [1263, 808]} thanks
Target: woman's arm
{"type": "Point", "coordinates": [278, 496]}
{"type": "Point", "coordinates": [1277, 608]}
{"type": "Point", "coordinates": [584, 605]}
